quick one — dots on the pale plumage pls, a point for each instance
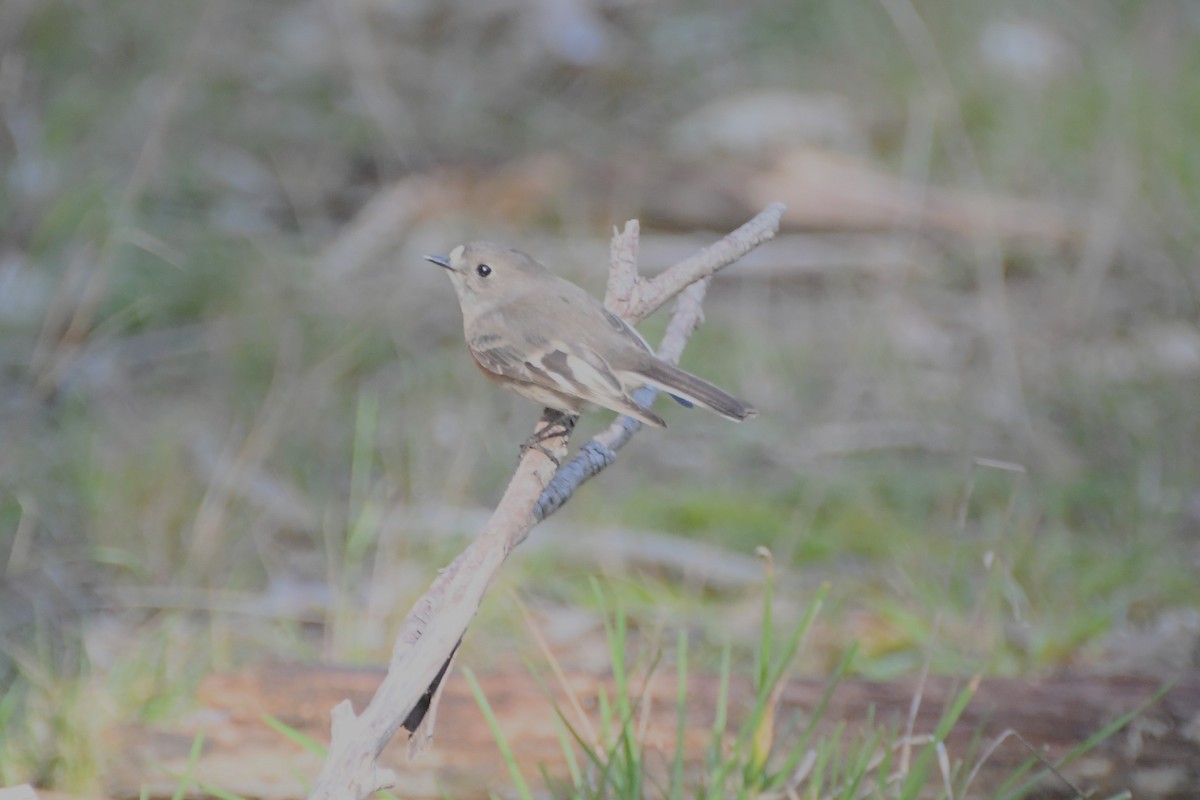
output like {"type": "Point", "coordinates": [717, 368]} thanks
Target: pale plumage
{"type": "Point", "coordinates": [552, 342]}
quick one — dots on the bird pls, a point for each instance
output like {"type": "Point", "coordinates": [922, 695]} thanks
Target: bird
{"type": "Point", "coordinates": [549, 340]}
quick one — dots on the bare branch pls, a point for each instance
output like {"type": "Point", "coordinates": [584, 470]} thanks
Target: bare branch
{"type": "Point", "coordinates": [430, 634]}
{"type": "Point", "coordinates": [688, 316]}
{"type": "Point", "coordinates": [433, 629]}
{"type": "Point", "coordinates": [650, 294]}
{"type": "Point", "coordinates": [623, 278]}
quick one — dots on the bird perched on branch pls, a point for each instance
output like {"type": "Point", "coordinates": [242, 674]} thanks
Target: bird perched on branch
{"type": "Point", "coordinates": [550, 341]}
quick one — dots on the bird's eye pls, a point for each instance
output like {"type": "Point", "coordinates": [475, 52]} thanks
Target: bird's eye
{"type": "Point", "coordinates": [483, 270]}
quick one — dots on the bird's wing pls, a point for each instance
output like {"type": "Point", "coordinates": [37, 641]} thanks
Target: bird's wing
{"type": "Point", "coordinates": [574, 370]}
{"type": "Point", "coordinates": [494, 355]}
{"type": "Point", "coordinates": [626, 330]}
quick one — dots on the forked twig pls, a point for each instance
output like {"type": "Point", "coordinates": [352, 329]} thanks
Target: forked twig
{"type": "Point", "coordinates": [433, 629]}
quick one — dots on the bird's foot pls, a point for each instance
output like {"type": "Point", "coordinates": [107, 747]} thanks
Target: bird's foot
{"type": "Point", "coordinates": [558, 423]}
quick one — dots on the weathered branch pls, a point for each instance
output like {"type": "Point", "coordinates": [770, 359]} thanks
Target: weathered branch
{"type": "Point", "coordinates": [622, 267]}
{"type": "Point", "coordinates": [431, 632]}
{"type": "Point", "coordinates": [646, 295]}
{"type": "Point", "coordinates": [429, 635]}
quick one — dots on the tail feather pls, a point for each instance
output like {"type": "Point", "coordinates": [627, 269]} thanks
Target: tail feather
{"type": "Point", "coordinates": [644, 415]}
{"type": "Point", "coordinates": [687, 387]}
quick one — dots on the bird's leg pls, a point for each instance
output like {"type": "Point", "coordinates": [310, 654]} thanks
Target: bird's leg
{"type": "Point", "coordinates": [558, 423]}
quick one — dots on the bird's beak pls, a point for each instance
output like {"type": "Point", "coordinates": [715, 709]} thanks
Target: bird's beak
{"type": "Point", "coordinates": [441, 261]}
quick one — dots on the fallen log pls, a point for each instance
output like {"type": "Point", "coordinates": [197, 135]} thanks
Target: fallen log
{"type": "Point", "coordinates": [1157, 755]}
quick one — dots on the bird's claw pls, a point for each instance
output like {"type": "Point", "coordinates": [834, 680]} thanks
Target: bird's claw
{"type": "Point", "coordinates": [558, 423]}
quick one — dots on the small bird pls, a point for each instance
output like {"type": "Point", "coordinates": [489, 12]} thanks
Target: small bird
{"type": "Point", "coordinates": [553, 343]}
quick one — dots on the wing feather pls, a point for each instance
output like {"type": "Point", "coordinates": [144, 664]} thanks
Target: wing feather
{"type": "Point", "coordinates": [573, 371]}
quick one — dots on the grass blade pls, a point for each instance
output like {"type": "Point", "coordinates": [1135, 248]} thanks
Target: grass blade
{"type": "Point", "coordinates": [505, 751]}
{"type": "Point", "coordinates": [676, 792]}
{"type": "Point", "coordinates": [185, 780]}
{"type": "Point", "coordinates": [914, 781]}
{"type": "Point", "coordinates": [307, 742]}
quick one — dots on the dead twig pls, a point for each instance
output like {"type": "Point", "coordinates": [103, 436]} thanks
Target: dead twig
{"type": "Point", "coordinates": [636, 298]}
{"type": "Point", "coordinates": [433, 629]}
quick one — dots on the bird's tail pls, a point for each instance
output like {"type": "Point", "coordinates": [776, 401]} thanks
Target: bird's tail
{"type": "Point", "coordinates": [687, 387]}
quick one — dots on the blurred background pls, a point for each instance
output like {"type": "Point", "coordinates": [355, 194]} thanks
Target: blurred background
{"type": "Point", "coordinates": [237, 419]}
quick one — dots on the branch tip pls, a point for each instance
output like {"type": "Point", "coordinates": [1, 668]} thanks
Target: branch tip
{"type": "Point", "coordinates": [342, 719]}
{"type": "Point", "coordinates": [385, 778]}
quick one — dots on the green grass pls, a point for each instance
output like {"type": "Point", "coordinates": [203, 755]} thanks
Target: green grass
{"type": "Point", "coordinates": [616, 755]}
{"type": "Point", "coordinates": [760, 755]}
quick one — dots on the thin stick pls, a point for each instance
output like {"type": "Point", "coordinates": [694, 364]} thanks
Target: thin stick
{"type": "Point", "coordinates": [623, 278]}
{"type": "Point", "coordinates": [649, 295]}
